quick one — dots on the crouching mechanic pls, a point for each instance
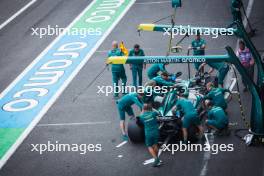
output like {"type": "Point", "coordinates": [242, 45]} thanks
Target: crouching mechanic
{"type": "Point", "coordinates": [216, 95]}
{"type": "Point", "coordinates": [163, 80]}
{"type": "Point", "coordinates": [222, 70]}
{"type": "Point", "coordinates": [149, 118]}
{"type": "Point", "coordinates": [124, 106]}
{"type": "Point", "coordinates": [153, 71]}
{"type": "Point", "coordinates": [190, 116]}
{"type": "Point", "coordinates": [217, 118]}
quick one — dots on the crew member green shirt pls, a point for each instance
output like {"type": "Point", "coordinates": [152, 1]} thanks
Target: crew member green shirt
{"type": "Point", "coordinates": [140, 53]}
{"type": "Point", "coordinates": [154, 69]}
{"type": "Point", "coordinates": [198, 43]}
{"type": "Point", "coordinates": [185, 106]}
{"type": "Point", "coordinates": [217, 97]}
{"type": "Point", "coordinates": [129, 100]}
{"type": "Point", "coordinates": [217, 114]}
{"type": "Point", "coordinates": [116, 67]}
{"type": "Point", "coordinates": [162, 82]}
{"type": "Point", "coordinates": [149, 119]}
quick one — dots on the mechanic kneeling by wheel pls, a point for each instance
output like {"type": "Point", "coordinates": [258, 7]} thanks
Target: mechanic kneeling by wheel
{"type": "Point", "coordinates": [153, 71]}
{"type": "Point", "coordinates": [149, 118]}
{"type": "Point", "coordinates": [217, 118]}
{"type": "Point", "coordinates": [216, 95]}
{"type": "Point", "coordinates": [190, 116]}
{"type": "Point", "coordinates": [222, 70]}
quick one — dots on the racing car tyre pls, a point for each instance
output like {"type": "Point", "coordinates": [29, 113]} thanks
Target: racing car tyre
{"type": "Point", "coordinates": [192, 134]}
{"type": "Point", "coordinates": [135, 131]}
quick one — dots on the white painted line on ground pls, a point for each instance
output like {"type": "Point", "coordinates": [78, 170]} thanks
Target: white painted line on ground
{"type": "Point", "coordinates": [121, 144]}
{"type": "Point", "coordinates": [233, 84]}
{"type": "Point", "coordinates": [61, 89]}
{"type": "Point", "coordinates": [207, 154]}
{"type": "Point", "coordinates": [248, 11]}
{"type": "Point", "coordinates": [120, 156]}
{"type": "Point", "coordinates": [206, 138]}
{"type": "Point", "coordinates": [149, 161]}
{"type": "Point", "coordinates": [159, 153]}
{"type": "Point", "coordinates": [231, 87]}
{"type": "Point", "coordinates": [232, 124]}
{"type": "Point", "coordinates": [17, 14]}
{"type": "Point", "coordinates": [153, 2]}
{"type": "Point", "coordinates": [74, 124]}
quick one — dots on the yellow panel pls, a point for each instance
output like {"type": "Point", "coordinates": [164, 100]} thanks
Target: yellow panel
{"type": "Point", "coordinates": [117, 60]}
{"type": "Point", "coordinates": [146, 27]}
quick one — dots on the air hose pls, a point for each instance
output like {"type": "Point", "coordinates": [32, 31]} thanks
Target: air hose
{"type": "Point", "coordinates": [172, 26]}
{"type": "Point", "coordinates": [89, 85]}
